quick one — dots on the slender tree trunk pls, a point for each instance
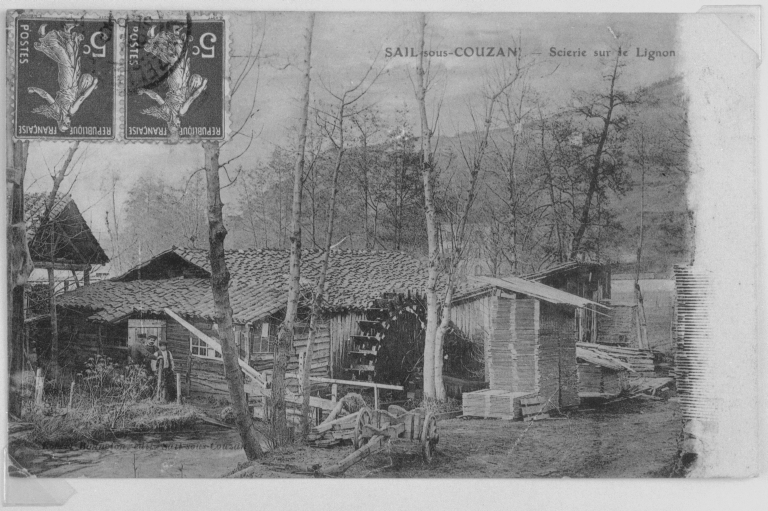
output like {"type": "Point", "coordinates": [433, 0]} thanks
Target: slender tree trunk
{"type": "Point", "coordinates": [249, 435]}
{"type": "Point", "coordinates": [427, 173]}
{"type": "Point", "coordinates": [439, 340]}
{"type": "Point", "coordinates": [54, 369]}
{"type": "Point", "coordinates": [285, 337]}
{"type": "Point", "coordinates": [643, 341]}
{"type": "Point", "coordinates": [318, 298]}
{"type": "Point", "coordinates": [19, 268]}
{"type": "Point", "coordinates": [45, 221]}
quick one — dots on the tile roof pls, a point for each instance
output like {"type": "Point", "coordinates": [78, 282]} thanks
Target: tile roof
{"type": "Point", "coordinates": [258, 286]}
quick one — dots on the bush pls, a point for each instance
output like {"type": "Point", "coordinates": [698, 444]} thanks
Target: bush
{"type": "Point", "coordinates": [102, 379]}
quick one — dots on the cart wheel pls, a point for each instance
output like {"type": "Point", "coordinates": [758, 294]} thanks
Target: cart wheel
{"type": "Point", "coordinates": [358, 440]}
{"type": "Point", "coordinates": [429, 437]}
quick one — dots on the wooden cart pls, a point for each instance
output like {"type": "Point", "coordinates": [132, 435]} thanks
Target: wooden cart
{"type": "Point", "coordinates": [370, 430]}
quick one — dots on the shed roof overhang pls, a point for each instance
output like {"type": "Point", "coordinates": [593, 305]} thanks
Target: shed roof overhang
{"type": "Point", "coordinates": [539, 291]}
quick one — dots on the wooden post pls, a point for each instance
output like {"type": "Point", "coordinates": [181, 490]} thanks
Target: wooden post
{"type": "Point", "coordinates": [334, 392]}
{"type": "Point", "coordinates": [178, 388]}
{"type": "Point", "coordinates": [18, 263]}
{"type": "Point", "coordinates": [376, 398]}
{"type": "Point", "coordinates": [71, 394]}
{"type": "Point", "coordinates": [54, 325]}
{"type": "Point", "coordinates": [39, 382]}
{"type": "Point", "coordinates": [87, 276]}
{"type": "Point", "coordinates": [159, 367]}
{"type": "Point", "coordinates": [190, 361]}
{"type": "Point", "coordinates": [300, 371]}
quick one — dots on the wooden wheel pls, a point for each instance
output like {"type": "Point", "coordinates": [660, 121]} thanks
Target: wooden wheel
{"type": "Point", "coordinates": [358, 440]}
{"type": "Point", "coordinates": [429, 437]}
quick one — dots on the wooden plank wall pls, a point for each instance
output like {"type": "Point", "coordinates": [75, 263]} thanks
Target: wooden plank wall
{"type": "Point", "coordinates": [207, 376]}
{"type": "Point", "coordinates": [87, 339]}
{"type": "Point", "coordinates": [525, 338]}
{"type": "Point", "coordinates": [341, 328]}
{"type": "Point", "coordinates": [473, 318]}
{"type": "Point", "coordinates": [502, 349]}
{"type": "Point", "coordinates": [321, 349]}
{"type": "Point", "coordinates": [558, 375]}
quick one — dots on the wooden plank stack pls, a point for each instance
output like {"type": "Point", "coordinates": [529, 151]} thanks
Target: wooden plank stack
{"type": "Point", "coordinates": [493, 403]}
{"type": "Point", "coordinates": [333, 432]}
{"type": "Point", "coordinates": [502, 351]}
{"type": "Point", "coordinates": [641, 361]}
{"type": "Point", "coordinates": [594, 379]}
{"type": "Point", "coordinates": [532, 408]}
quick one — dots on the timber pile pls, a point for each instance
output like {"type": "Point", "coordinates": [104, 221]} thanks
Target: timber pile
{"type": "Point", "coordinates": [494, 403]}
{"type": "Point", "coordinates": [649, 386]}
{"type": "Point", "coordinates": [532, 408]}
{"type": "Point", "coordinates": [640, 361]}
{"type": "Point", "coordinates": [594, 380]}
{"type": "Point", "coordinates": [340, 423]}
{"type": "Point", "coordinates": [331, 433]}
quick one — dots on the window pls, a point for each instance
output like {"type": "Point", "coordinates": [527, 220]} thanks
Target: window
{"type": "Point", "coordinates": [262, 343]}
{"type": "Point", "coordinates": [140, 331]}
{"type": "Point", "coordinates": [200, 348]}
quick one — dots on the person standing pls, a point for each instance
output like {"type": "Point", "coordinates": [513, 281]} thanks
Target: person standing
{"type": "Point", "coordinates": [168, 382]}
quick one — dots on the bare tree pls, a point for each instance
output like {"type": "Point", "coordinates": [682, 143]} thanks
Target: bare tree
{"type": "Point", "coordinates": [19, 266]}
{"type": "Point", "coordinates": [285, 337]}
{"type": "Point", "coordinates": [473, 157]}
{"type": "Point", "coordinates": [602, 165]}
{"type": "Point", "coordinates": [428, 176]}
{"type": "Point", "coordinates": [45, 219]}
{"type": "Point", "coordinates": [249, 435]}
{"type": "Point", "coordinates": [332, 124]}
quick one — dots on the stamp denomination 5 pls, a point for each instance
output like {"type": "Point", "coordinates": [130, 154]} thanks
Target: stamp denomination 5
{"type": "Point", "coordinates": [174, 88]}
{"type": "Point", "coordinates": [65, 79]}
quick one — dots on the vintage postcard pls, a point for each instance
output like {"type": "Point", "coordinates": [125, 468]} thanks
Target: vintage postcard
{"type": "Point", "coordinates": [247, 244]}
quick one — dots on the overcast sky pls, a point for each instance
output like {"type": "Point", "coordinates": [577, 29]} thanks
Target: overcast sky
{"type": "Point", "coordinates": [344, 46]}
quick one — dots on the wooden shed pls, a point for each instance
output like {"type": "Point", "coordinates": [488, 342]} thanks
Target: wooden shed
{"type": "Point", "coordinates": [529, 334]}
{"type": "Point", "coordinates": [111, 315]}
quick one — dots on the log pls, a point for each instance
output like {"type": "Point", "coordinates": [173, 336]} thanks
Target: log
{"type": "Point", "coordinates": [328, 425]}
{"type": "Point", "coordinates": [339, 468]}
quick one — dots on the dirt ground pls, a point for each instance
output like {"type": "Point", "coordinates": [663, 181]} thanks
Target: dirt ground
{"type": "Point", "coordinates": [635, 438]}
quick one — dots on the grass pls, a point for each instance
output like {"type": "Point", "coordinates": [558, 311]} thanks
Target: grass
{"type": "Point", "coordinates": [87, 425]}
{"type": "Point", "coordinates": [435, 406]}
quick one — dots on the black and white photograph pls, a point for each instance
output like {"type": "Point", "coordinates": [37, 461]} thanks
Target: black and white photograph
{"type": "Point", "coordinates": [390, 245]}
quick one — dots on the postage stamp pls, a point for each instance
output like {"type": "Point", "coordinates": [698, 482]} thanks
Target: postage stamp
{"type": "Point", "coordinates": [174, 79]}
{"type": "Point", "coordinates": [65, 78]}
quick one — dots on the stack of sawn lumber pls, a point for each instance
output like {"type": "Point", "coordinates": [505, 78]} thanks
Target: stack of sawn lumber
{"type": "Point", "coordinates": [641, 361]}
{"type": "Point", "coordinates": [495, 403]}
